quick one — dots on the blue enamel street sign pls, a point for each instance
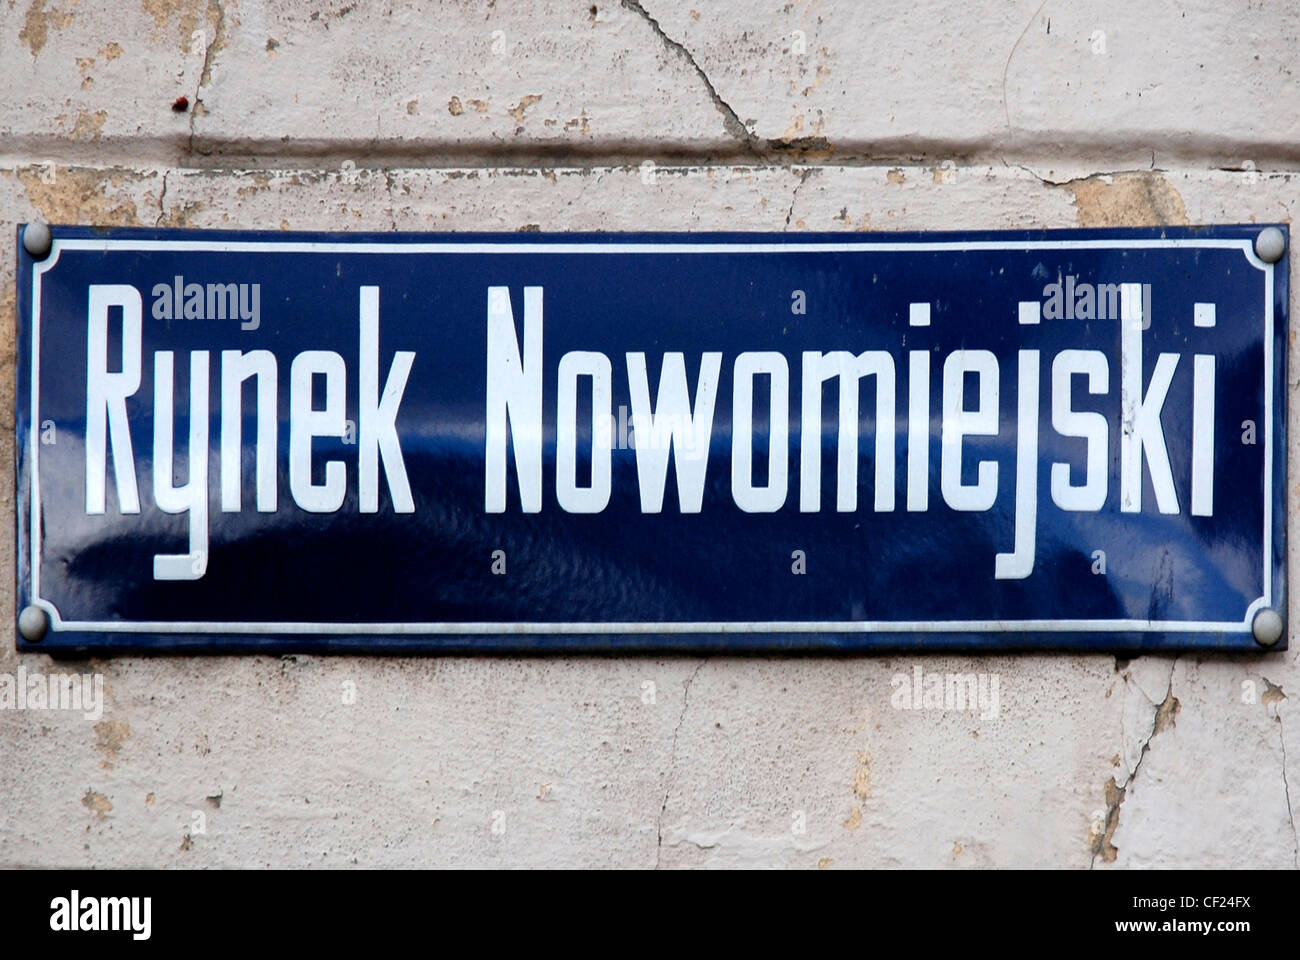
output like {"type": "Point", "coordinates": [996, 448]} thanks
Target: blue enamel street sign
{"type": "Point", "coordinates": [1062, 439]}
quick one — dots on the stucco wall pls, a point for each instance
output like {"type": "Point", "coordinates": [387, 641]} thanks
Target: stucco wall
{"type": "Point", "coordinates": [766, 115]}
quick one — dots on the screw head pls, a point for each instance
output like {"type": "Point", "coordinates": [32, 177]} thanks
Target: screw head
{"type": "Point", "coordinates": [37, 239]}
{"type": "Point", "coordinates": [1267, 627]}
{"type": "Point", "coordinates": [1270, 244]}
{"type": "Point", "coordinates": [33, 623]}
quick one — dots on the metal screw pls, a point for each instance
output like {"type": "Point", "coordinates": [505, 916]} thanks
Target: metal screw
{"type": "Point", "coordinates": [1267, 627]}
{"type": "Point", "coordinates": [33, 622]}
{"type": "Point", "coordinates": [1270, 244]}
{"type": "Point", "coordinates": [37, 239]}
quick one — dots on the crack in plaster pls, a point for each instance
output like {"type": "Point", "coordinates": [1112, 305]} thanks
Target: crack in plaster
{"type": "Point", "coordinates": [1163, 716]}
{"type": "Point", "coordinates": [392, 206]}
{"type": "Point", "coordinates": [672, 760]}
{"type": "Point", "coordinates": [162, 199]}
{"type": "Point", "coordinates": [588, 182]}
{"type": "Point", "coordinates": [1286, 788]}
{"type": "Point", "coordinates": [730, 121]}
{"type": "Point", "coordinates": [1072, 181]}
{"type": "Point", "coordinates": [803, 178]}
{"type": "Point", "coordinates": [1286, 784]}
{"type": "Point", "coordinates": [210, 51]}
{"type": "Point", "coordinates": [1006, 108]}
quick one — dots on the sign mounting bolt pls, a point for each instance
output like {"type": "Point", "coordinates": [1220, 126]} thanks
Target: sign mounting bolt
{"type": "Point", "coordinates": [33, 622]}
{"type": "Point", "coordinates": [37, 240]}
{"type": "Point", "coordinates": [1270, 244]}
{"type": "Point", "coordinates": [1267, 627]}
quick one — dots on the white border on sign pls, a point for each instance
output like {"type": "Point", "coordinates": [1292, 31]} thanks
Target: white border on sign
{"type": "Point", "coordinates": [656, 627]}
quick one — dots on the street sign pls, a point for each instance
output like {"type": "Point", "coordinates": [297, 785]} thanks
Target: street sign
{"type": "Point", "coordinates": [271, 442]}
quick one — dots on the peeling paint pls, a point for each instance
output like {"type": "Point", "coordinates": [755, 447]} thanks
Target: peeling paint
{"type": "Point", "coordinates": [1127, 200]}
{"type": "Point", "coordinates": [795, 128]}
{"type": "Point", "coordinates": [186, 13]}
{"type": "Point", "coordinates": [1272, 693]}
{"type": "Point", "coordinates": [325, 16]}
{"type": "Point", "coordinates": [579, 123]}
{"type": "Point", "coordinates": [111, 735]}
{"type": "Point", "coordinates": [1102, 841]}
{"type": "Point", "coordinates": [96, 803]}
{"type": "Point", "coordinates": [89, 126]}
{"type": "Point", "coordinates": [8, 306]}
{"type": "Point", "coordinates": [819, 76]}
{"type": "Point", "coordinates": [38, 23]}
{"type": "Point", "coordinates": [261, 183]}
{"type": "Point", "coordinates": [1166, 714]}
{"type": "Point", "coordinates": [945, 172]}
{"type": "Point", "coordinates": [517, 111]}
{"type": "Point", "coordinates": [80, 195]}
{"type": "Point", "coordinates": [862, 777]}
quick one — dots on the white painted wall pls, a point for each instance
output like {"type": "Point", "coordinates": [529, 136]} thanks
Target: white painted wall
{"type": "Point", "coordinates": [331, 115]}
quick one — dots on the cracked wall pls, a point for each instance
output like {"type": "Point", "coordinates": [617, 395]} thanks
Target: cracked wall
{"type": "Point", "coordinates": [776, 116]}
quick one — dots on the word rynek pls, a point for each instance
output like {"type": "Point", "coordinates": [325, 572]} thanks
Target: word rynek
{"type": "Point", "coordinates": [107, 392]}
